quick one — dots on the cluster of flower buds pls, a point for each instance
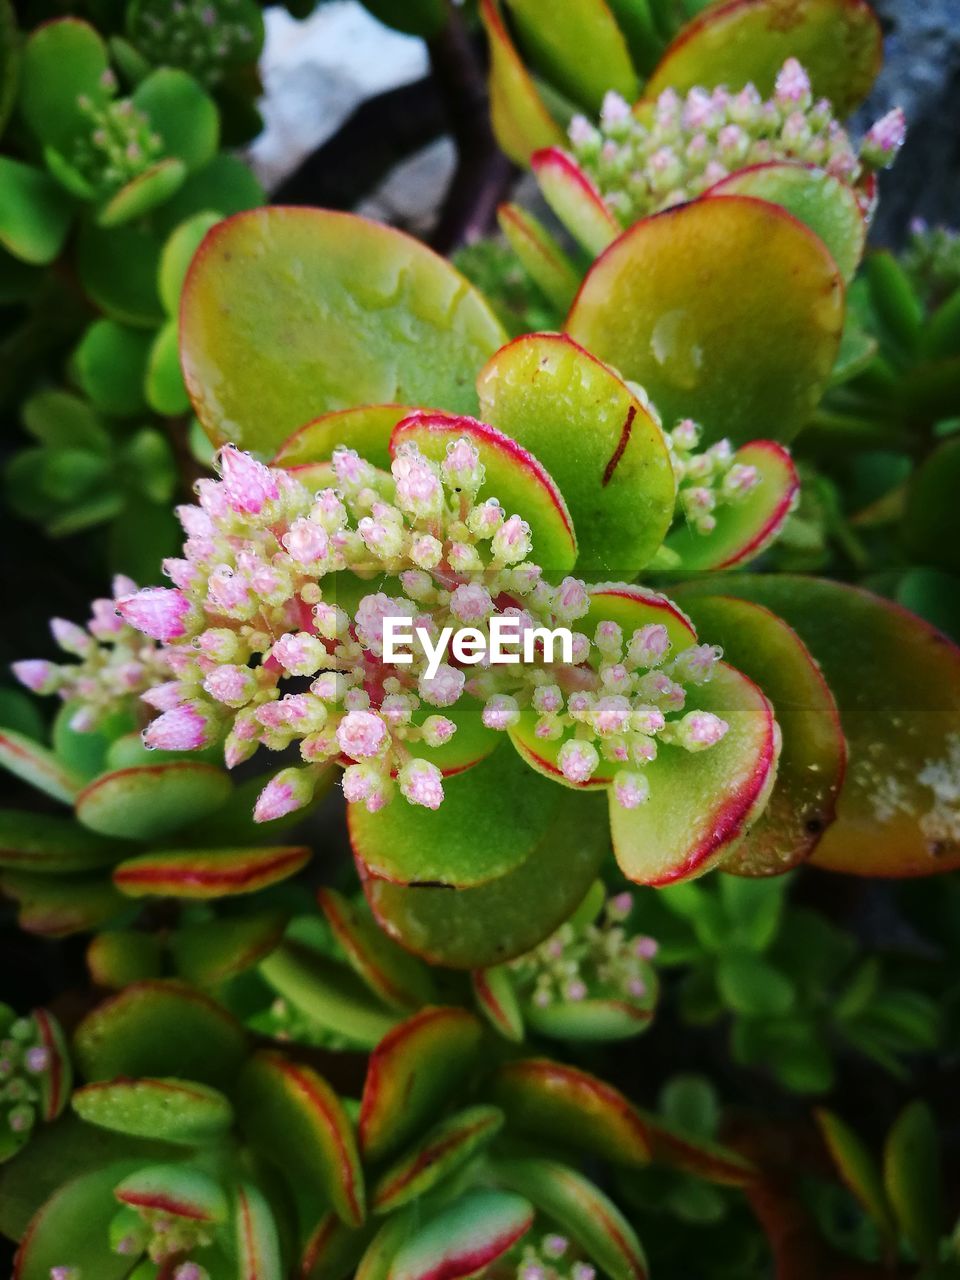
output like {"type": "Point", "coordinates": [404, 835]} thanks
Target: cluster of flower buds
{"type": "Point", "coordinates": [707, 480]}
{"type": "Point", "coordinates": [201, 36]}
{"type": "Point", "coordinates": [120, 144]}
{"type": "Point", "coordinates": [553, 1257]}
{"type": "Point", "coordinates": [116, 663]}
{"type": "Point", "coordinates": [599, 960]}
{"type": "Point", "coordinates": [670, 151]}
{"type": "Point", "coordinates": [257, 650]}
{"type": "Point", "coordinates": [161, 1235]}
{"type": "Point", "coordinates": [29, 1061]}
{"type": "Point", "coordinates": [932, 259]}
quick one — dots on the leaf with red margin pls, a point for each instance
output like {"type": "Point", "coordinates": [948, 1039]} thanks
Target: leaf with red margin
{"type": "Point", "coordinates": [545, 262]}
{"type": "Point", "coordinates": [37, 766]}
{"type": "Point", "coordinates": [496, 998]}
{"type": "Point", "coordinates": [56, 906]}
{"type": "Point", "coordinates": [55, 1082]}
{"type": "Point", "coordinates": [149, 801]}
{"type": "Point", "coordinates": [491, 820]}
{"type": "Point", "coordinates": [564, 1104]}
{"type": "Point", "coordinates": [464, 1237]}
{"type": "Point", "coordinates": [414, 1071]}
{"type": "Point", "coordinates": [367, 429]}
{"type": "Point", "coordinates": [597, 440]}
{"type": "Point", "coordinates": [437, 1156]}
{"type": "Point", "coordinates": [744, 529]}
{"type": "Point", "coordinates": [210, 952]}
{"type": "Point", "coordinates": [520, 117]}
{"type": "Point", "coordinates": [399, 979]}
{"type": "Point", "coordinates": [858, 1169]}
{"type": "Point", "coordinates": [39, 843]}
{"type": "Point", "coordinates": [205, 873]}
{"type": "Point", "coordinates": [293, 1115]}
{"type": "Point", "coordinates": [575, 199]}
{"type": "Point", "coordinates": [661, 303]}
{"type": "Point", "coordinates": [472, 743]}
{"type": "Point", "coordinates": [258, 1246]}
{"type": "Point", "coordinates": [512, 474]}
{"type": "Point", "coordinates": [829, 207]}
{"type": "Point", "coordinates": [580, 1210]}
{"type": "Point", "coordinates": [631, 607]}
{"type": "Point", "coordinates": [813, 759]}
{"type": "Point", "coordinates": [170, 1110]}
{"type": "Point", "coordinates": [695, 1155]}
{"type": "Point", "coordinates": [837, 41]}
{"type": "Point", "coordinates": [73, 1228]}
{"type": "Point", "coordinates": [181, 1190]}
{"type": "Point", "coordinates": [597, 1018]}
{"type": "Point", "coordinates": [701, 803]}
{"type": "Point", "coordinates": [896, 681]}
{"type": "Point", "coordinates": [333, 1251]}
{"type": "Point", "coordinates": [472, 928]}
{"type": "Point", "coordinates": [160, 1028]}
{"type": "Point", "coordinates": [289, 313]}
{"type": "Point", "coordinates": [581, 50]}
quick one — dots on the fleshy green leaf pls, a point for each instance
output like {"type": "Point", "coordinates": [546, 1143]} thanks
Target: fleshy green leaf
{"type": "Point", "coordinates": [35, 213]}
{"type": "Point", "coordinates": [928, 521]}
{"type": "Point", "coordinates": [55, 906]}
{"type": "Point", "coordinates": [183, 115]}
{"type": "Point", "coordinates": [497, 998]}
{"type": "Point", "coordinates": [118, 269]}
{"type": "Point", "coordinates": [367, 315]}
{"type": "Point", "coordinates": [177, 254]}
{"type": "Point", "coordinates": [111, 363]}
{"type": "Point", "coordinates": [164, 387]}
{"type": "Point", "coordinates": [541, 256]}
{"type": "Point", "coordinates": [178, 1189]}
{"type": "Point", "coordinates": [413, 1072]}
{"type": "Point", "coordinates": [821, 202]}
{"type": "Point", "coordinates": [208, 953]}
{"type": "Point", "coordinates": [150, 801]}
{"type": "Point", "coordinates": [438, 1155]}
{"type": "Point", "coordinates": [661, 303]}
{"type": "Point", "coordinates": [367, 429]}
{"type": "Point", "coordinates": [42, 843]}
{"type": "Point", "coordinates": [911, 1175]}
{"type": "Point", "coordinates": [399, 979]}
{"type": "Point", "coordinates": [858, 1169]}
{"type": "Point", "coordinates": [121, 956]}
{"type": "Point", "coordinates": [575, 199]}
{"type": "Point", "coordinates": [520, 117]}
{"type": "Point", "coordinates": [813, 758]}
{"type": "Point", "coordinates": [581, 50]}
{"type": "Point", "coordinates": [464, 1237]}
{"type": "Point", "coordinates": [62, 62]}
{"type": "Point", "coordinates": [37, 766]}
{"type": "Point", "coordinates": [731, 43]}
{"type": "Point", "coordinates": [204, 874]}
{"type": "Point", "coordinates": [258, 1244]}
{"type": "Point", "coordinates": [597, 440]}
{"type": "Point", "coordinates": [143, 193]}
{"type": "Point", "coordinates": [171, 1110]}
{"type": "Point", "coordinates": [293, 1114]}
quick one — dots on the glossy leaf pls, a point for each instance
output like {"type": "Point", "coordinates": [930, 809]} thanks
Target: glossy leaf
{"type": "Point", "coordinates": [464, 1237]}
{"type": "Point", "coordinates": [164, 386]}
{"type": "Point", "coordinates": [520, 117]}
{"type": "Point", "coordinates": [179, 1190]}
{"type": "Point", "coordinates": [160, 1029]}
{"type": "Point", "coordinates": [928, 521]}
{"type": "Point", "coordinates": [290, 1111]}
{"type": "Point", "coordinates": [35, 214]}
{"type": "Point", "coordinates": [497, 999]}
{"type": "Point", "coordinates": [472, 928]}
{"type": "Point", "coordinates": [437, 1156]}
{"type": "Point", "coordinates": [258, 1245]}
{"type": "Point", "coordinates": [540, 255]}
{"type": "Point", "coordinates": [693, 1154]}
{"type": "Point", "coordinates": [177, 255]}
{"type": "Point", "coordinates": [171, 1110]}
{"type": "Point", "coordinates": [367, 429]}
{"type": "Point", "coordinates": [149, 801]}
{"type": "Point", "coordinates": [731, 43]}
{"type": "Point", "coordinates": [512, 475]}
{"type": "Point", "coordinates": [813, 758]}
{"type": "Point", "coordinates": [413, 1072]}
{"type": "Point", "coordinates": [597, 1019]}
{"type": "Point", "coordinates": [597, 440]}
{"type": "Point", "coordinates": [746, 528]}
{"type": "Point", "coordinates": [821, 202]}
{"type": "Point", "coordinates": [34, 764]}
{"type": "Point", "coordinates": [581, 50]}
{"type": "Point", "coordinates": [41, 843]}
{"type": "Point", "coordinates": [204, 874]}
{"type": "Point", "coordinates": [581, 1211]}
{"type": "Point", "coordinates": [397, 978]}
{"type": "Point", "coordinates": [143, 193]}
{"type": "Point", "coordinates": [575, 199]}
{"type": "Point", "coordinates": [563, 1104]}
{"type": "Point", "coordinates": [897, 685]}
{"type": "Point", "coordinates": [360, 313]}
{"type": "Point", "coordinates": [661, 303]}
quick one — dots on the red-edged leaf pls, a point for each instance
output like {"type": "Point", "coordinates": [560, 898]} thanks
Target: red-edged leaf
{"type": "Point", "coordinates": [575, 199]}
{"type": "Point", "coordinates": [436, 1157]}
{"type": "Point", "coordinates": [204, 873]}
{"type": "Point", "coordinates": [520, 117]}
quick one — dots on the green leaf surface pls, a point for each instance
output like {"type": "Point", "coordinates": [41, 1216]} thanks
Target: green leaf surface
{"type": "Point", "coordinates": [821, 202]}
{"type": "Point", "coordinates": [736, 41]}
{"type": "Point", "coordinates": [118, 269]}
{"type": "Point", "coordinates": [44, 844]}
{"type": "Point", "coordinates": [56, 906]}
{"type": "Point", "coordinates": [37, 766]}
{"type": "Point", "coordinates": [596, 439]}
{"type": "Point", "coordinates": [62, 61]}
{"type": "Point", "coordinates": [367, 429]}
{"type": "Point", "coordinates": [146, 802]}
{"type": "Point", "coordinates": [661, 303]}
{"type": "Point", "coordinates": [858, 1169]}
{"type": "Point", "coordinates": [521, 120]}
{"type": "Point", "coordinates": [160, 1029]}
{"type": "Point", "coordinates": [111, 363]}
{"type": "Point", "coordinates": [929, 520]}
{"type": "Point", "coordinates": [436, 1157]}
{"type": "Point", "coordinates": [326, 310]}
{"type": "Point", "coordinates": [34, 214]}
{"type": "Point", "coordinates": [171, 1110]}
{"type": "Point", "coordinates": [177, 254]}
{"type": "Point", "coordinates": [581, 50]}
{"type": "Point", "coordinates": [183, 115]}
{"type": "Point", "coordinates": [202, 874]}
{"type": "Point", "coordinates": [911, 1176]}
{"type": "Point", "coordinates": [210, 952]}
{"type": "Point", "coordinates": [399, 979]}
{"type": "Point", "coordinates": [463, 1237]}
{"type": "Point", "coordinates": [413, 1072]}
{"type": "Point", "coordinates": [143, 193]}
{"type": "Point", "coordinates": [121, 956]}
{"type": "Point", "coordinates": [575, 199]}
{"type": "Point", "coordinates": [541, 256]}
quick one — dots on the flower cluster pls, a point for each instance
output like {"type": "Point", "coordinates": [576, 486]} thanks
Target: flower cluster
{"type": "Point", "coordinates": [161, 1234]}
{"type": "Point", "coordinates": [116, 662]}
{"type": "Point", "coordinates": [707, 480]}
{"type": "Point", "coordinates": [258, 651]}
{"type": "Point", "coordinates": [201, 36]}
{"type": "Point", "coordinates": [27, 1063]}
{"type": "Point", "coordinates": [120, 144]}
{"type": "Point", "coordinates": [589, 961]}
{"type": "Point", "coordinates": [673, 150]}
{"type": "Point", "coordinates": [553, 1257]}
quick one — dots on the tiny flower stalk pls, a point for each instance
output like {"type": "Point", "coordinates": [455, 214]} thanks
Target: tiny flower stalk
{"type": "Point", "coordinates": [656, 155]}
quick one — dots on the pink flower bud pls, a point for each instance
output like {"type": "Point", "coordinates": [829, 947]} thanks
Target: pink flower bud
{"type": "Point", "coordinates": [471, 602]}
{"type": "Point", "coordinates": [365, 784]}
{"type": "Point", "coordinates": [232, 685]}
{"type": "Point", "coordinates": [512, 542]}
{"type": "Point", "coordinates": [792, 85]}
{"type": "Point", "coordinates": [578, 760]}
{"type": "Point", "coordinates": [418, 490]}
{"type": "Point", "coordinates": [462, 468]}
{"type": "Point", "coordinates": [361, 734]}
{"type": "Point", "coordinates": [571, 600]}
{"type": "Point", "coordinates": [437, 730]}
{"type": "Point", "coordinates": [444, 688]}
{"type": "Point", "coordinates": [305, 541]}
{"type": "Point", "coordinates": [421, 783]}
{"type": "Point", "coordinates": [247, 484]}
{"type": "Point", "coordinates": [185, 728]}
{"type": "Point", "coordinates": [164, 697]}
{"type": "Point", "coordinates": [286, 792]}
{"type": "Point", "coordinates": [885, 138]}
{"type": "Point", "coordinates": [649, 645]}
{"type": "Point", "coordinates": [36, 674]}
{"type": "Point", "coordinates": [71, 638]}
{"type": "Point", "coordinates": [159, 612]}
{"type": "Point", "coordinates": [631, 789]}
{"type": "Point", "coordinates": [501, 711]}
{"type": "Point", "coordinates": [699, 730]}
